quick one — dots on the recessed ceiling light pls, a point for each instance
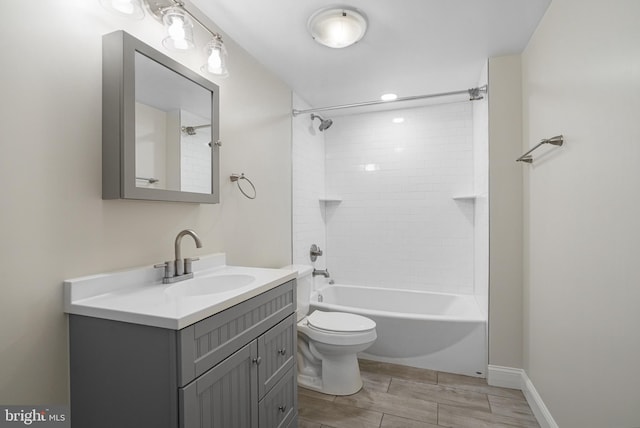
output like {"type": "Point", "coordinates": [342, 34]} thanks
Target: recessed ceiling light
{"type": "Point", "coordinates": [388, 97]}
{"type": "Point", "coordinates": [337, 27]}
{"type": "Point", "coordinates": [397, 119]}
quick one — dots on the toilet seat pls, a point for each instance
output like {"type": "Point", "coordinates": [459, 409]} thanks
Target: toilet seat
{"type": "Point", "coordinates": [356, 330]}
{"type": "Point", "coordinates": [339, 322]}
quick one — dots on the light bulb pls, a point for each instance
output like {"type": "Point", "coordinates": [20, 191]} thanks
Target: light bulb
{"type": "Point", "coordinates": [179, 30]}
{"type": "Point", "coordinates": [176, 32]}
{"type": "Point", "coordinates": [216, 58]}
{"type": "Point", "coordinates": [214, 62]}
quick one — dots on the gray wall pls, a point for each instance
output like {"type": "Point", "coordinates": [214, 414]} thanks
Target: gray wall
{"type": "Point", "coordinates": [55, 224]}
{"type": "Point", "coordinates": [505, 212]}
{"type": "Point", "coordinates": [581, 78]}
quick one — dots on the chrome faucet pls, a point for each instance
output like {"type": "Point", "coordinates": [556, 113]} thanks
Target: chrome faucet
{"type": "Point", "coordinates": [184, 267]}
{"type": "Point", "coordinates": [323, 272]}
{"type": "Point", "coordinates": [179, 269]}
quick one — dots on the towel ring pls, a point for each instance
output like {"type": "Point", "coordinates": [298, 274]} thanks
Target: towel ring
{"type": "Point", "coordinates": [237, 178]}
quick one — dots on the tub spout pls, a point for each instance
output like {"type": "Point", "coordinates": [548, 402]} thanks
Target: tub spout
{"type": "Point", "coordinates": [323, 272]}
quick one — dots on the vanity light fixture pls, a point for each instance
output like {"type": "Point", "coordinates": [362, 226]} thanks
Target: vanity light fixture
{"type": "Point", "coordinates": [337, 27]}
{"type": "Point", "coordinates": [179, 25]}
{"type": "Point", "coordinates": [216, 57]}
{"type": "Point", "coordinates": [127, 8]}
{"type": "Point", "coordinates": [179, 29]}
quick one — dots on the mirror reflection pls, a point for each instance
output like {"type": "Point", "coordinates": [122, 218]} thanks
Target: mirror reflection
{"type": "Point", "coordinates": [172, 130]}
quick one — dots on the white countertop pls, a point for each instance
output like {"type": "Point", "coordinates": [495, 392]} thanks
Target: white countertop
{"type": "Point", "coordinates": [139, 296]}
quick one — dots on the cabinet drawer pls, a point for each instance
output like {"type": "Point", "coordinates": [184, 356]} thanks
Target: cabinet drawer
{"type": "Point", "coordinates": [223, 397]}
{"type": "Point", "coordinates": [207, 342]}
{"type": "Point", "coordinates": [276, 349]}
{"type": "Point", "coordinates": [278, 408]}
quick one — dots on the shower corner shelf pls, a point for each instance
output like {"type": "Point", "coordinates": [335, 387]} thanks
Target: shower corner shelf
{"type": "Point", "coordinates": [330, 198]}
{"type": "Point", "coordinates": [469, 197]}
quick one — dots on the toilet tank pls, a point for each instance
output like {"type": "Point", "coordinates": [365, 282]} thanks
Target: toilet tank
{"type": "Point", "coordinates": [304, 288]}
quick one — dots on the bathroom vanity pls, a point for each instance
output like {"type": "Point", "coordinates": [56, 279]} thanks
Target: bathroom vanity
{"type": "Point", "coordinates": [214, 351]}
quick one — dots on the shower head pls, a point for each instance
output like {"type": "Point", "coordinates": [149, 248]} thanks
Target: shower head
{"type": "Point", "coordinates": [324, 123]}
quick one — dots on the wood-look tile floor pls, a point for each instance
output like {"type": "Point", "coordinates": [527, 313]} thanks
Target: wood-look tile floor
{"type": "Point", "coordinates": [396, 396]}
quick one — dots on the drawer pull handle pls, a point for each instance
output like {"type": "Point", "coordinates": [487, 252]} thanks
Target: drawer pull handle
{"type": "Point", "coordinates": [257, 361]}
{"type": "Point", "coordinates": [282, 408]}
{"type": "Point", "coordinates": [282, 351]}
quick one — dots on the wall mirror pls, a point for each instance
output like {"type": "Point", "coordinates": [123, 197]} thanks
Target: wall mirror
{"type": "Point", "coordinates": [160, 126]}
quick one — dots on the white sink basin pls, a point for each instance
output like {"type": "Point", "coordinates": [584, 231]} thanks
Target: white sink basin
{"type": "Point", "coordinates": [139, 296]}
{"type": "Point", "coordinates": [213, 284]}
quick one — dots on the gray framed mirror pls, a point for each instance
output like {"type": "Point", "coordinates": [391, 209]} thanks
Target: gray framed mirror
{"type": "Point", "coordinates": [160, 126]}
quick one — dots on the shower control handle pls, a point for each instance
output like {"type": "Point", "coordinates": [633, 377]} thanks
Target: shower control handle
{"type": "Point", "coordinates": [314, 252]}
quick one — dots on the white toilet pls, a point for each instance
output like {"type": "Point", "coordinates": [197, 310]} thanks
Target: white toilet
{"type": "Point", "coordinates": [328, 343]}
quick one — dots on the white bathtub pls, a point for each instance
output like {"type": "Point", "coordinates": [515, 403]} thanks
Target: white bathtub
{"type": "Point", "coordinates": [436, 331]}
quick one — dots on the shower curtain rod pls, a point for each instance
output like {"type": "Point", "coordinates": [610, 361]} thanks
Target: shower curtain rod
{"type": "Point", "coordinates": [474, 94]}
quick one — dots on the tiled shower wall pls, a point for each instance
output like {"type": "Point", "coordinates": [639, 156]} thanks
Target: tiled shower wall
{"type": "Point", "coordinates": [308, 187]}
{"type": "Point", "coordinates": [398, 224]}
{"type": "Point", "coordinates": [195, 155]}
{"type": "Point", "coordinates": [481, 190]}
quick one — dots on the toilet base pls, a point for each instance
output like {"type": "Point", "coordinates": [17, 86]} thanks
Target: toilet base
{"type": "Point", "coordinates": [337, 375]}
{"type": "Point", "coordinates": [315, 384]}
{"type": "Point", "coordinates": [328, 359]}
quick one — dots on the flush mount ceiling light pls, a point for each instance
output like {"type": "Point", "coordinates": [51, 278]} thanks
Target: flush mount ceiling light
{"type": "Point", "coordinates": [337, 27]}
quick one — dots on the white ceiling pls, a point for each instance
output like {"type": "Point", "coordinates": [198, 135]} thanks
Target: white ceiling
{"type": "Point", "coordinates": [412, 47]}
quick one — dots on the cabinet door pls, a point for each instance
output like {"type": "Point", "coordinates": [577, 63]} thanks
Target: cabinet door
{"type": "Point", "coordinates": [276, 349]}
{"type": "Point", "coordinates": [278, 409]}
{"type": "Point", "coordinates": [206, 343]}
{"type": "Point", "coordinates": [225, 396]}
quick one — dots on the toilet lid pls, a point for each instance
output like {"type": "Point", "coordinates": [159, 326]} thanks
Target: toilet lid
{"type": "Point", "coordinates": [340, 322]}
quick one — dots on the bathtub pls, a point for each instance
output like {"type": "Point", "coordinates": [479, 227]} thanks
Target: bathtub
{"type": "Point", "coordinates": [437, 331]}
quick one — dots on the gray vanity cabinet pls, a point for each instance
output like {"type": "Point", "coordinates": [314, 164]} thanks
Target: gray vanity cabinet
{"type": "Point", "coordinates": [253, 388]}
{"type": "Point", "coordinates": [235, 369]}
{"type": "Point", "coordinates": [276, 348]}
{"type": "Point", "coordinates": [225, 396]}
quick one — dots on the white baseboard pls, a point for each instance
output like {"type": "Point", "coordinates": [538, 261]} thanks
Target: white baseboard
{"type": "Point", "coordinates": [508, 377]}
{"type": "Point", "coordinates": [505, 377]}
